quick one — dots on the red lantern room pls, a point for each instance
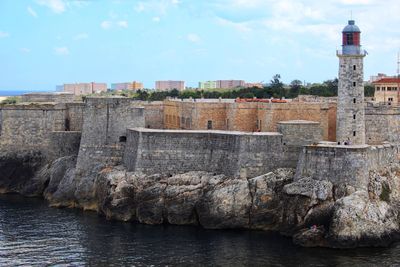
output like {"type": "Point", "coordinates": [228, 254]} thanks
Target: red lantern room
{"type": "Point", "coordinates": [351, 39]}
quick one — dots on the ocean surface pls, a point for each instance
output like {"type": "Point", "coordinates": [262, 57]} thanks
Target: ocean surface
{"type": "Point", "coordinates": [15, 92]}
{"type": "Point", "coordinates": [32, 234]}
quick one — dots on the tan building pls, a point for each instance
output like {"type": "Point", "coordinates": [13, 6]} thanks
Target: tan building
{"type": "Point", "coordinates": [85, 88]}
{"type": "Point", "coordinates": [230, 84]}
{"type": "Point", "coordinates": [170, 85]}
{"type": "Point", "coordinates": [127, 86]}
{"type": "Point", "coordinates": [387, 90]}
{"type": "Point", "coordinates": [257, 85]}
{"type": "Point", "coordinates": [232, 115]}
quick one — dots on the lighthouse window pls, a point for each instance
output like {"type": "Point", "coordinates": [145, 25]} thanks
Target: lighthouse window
{"type": "Point", "coordinates": [349, 39]}
{"type": "Point", "coordinates": [354, 83]}
{"type": "Point", "coordinates": [354, 133]}
{"type": "Point", "coordinates": [354, 116]}
{"type": "Point", "coordinates": [354, 67]}
{"type": "Point", "coordinates": [354, 100]}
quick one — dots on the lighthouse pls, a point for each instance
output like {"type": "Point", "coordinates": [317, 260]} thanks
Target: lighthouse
{"type": "Point", "coordinates": [350, 123]}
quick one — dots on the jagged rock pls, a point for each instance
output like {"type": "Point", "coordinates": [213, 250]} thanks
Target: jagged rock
{"type": "Point", "coordinates": [266, 191]}
{"type": "Point", "coordinates": [225, 204]}
{"type": "Point", "coordinates": [19, 173]}
{"type": "Point", "coordinates": [56, 173]}
{"type": "Point", "coordinates": [149, 198]}
{"type": "Point", "coordinates": [315, 189]}
{"type": "Point", "coordinates": [303, 200]}
{"type": "Point", "coordinates": [311, 237]}
{"type": "Point", "coordinates": [359, 221]}
{"type": "Point", "coordinates": [115, 194]}
{"type": "Point", "coordinates": [182, 195]}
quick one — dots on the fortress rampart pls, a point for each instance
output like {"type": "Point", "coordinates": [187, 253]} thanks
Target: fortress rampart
{"type": "Point", "coordinates": [246, 116]}
{"type": "Point", "coordinates": [104, 130]}
{"type": "Point", "coordinates": [231, 153]}
{"type": "Point", "coordinates": [382, 123]}
{"type": "Point", "coordinates": [345, 164]}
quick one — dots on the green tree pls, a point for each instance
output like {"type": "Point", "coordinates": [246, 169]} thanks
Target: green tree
{"type": "Point", "coordinates": [295, 87]}
{"type": "Point", "coordinates": [142, 95]}
{"type": "Point", "coordinates": [369, 90]}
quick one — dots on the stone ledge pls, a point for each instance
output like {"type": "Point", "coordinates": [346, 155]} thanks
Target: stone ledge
{"type": "Point", "coordinates": [147, 130]}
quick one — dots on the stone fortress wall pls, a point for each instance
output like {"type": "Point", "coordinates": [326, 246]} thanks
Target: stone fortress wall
{"type": "Point", "coordinates": [226, 114]}
{"type": "Point", "coordinates": [30, 127]}
{"type": "Point", "coordinates": [97, 132]}
{"type": "Point", "coordinates": [295, 135]}
{"type": "Point", "coordinates": [382, 123]}
{"type": "Point", "coordinates": [104, 130]}
{"type": "Point", "coordinates": [235, 154]}
{"type": "Point", "coordinates": [345, 164]}
{"type": "Point", "coordinates": [58, 97]}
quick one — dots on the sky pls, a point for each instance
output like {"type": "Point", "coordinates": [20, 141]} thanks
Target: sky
{"type": "Point", "coordinates": [44, 43]}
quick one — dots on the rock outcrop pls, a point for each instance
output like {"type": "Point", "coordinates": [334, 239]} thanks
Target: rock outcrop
{"type": "Point", "coordinates": [313, 212]}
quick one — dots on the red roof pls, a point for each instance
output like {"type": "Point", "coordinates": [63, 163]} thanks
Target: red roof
{"type": "Point", "coordinates": [388, 80]}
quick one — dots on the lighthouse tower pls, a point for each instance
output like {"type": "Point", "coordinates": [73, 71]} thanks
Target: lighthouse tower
{"type": "Point", "coordinates": [350, 123]}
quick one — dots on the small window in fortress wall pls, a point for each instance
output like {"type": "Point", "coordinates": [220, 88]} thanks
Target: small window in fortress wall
{"type": "Point", "coordinates": [122, 139]}
{"type": "Point", "coordinates": [67, 126]}
{"type": "Point", "coordinates": [354, 67]}
{"type": "Point", "coordinates": [209, 125]}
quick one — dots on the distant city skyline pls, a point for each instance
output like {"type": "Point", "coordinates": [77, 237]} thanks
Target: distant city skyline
{"type": "Point", "coordinates": [44, 43]}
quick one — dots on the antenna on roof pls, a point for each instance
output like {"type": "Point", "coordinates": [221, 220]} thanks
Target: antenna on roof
{"type": "Point", "coordinates": [398, 64]}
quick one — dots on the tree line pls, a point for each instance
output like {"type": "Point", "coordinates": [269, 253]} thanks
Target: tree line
{"type": "Point", "coordinates": [274, 89]}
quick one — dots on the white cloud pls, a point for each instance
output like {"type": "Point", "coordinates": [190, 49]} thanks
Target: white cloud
{"type": "Point", "coordinates": [122, 24]}
{"type": "Point", "coordinates": [32, 12]}
{"type": "Point", "coordinates": [156, 6]}
{"type": "Point", "coordinates": [106, 25]}
{"type": "Point", "coordinates": [239, 26]}
{"type": "Point", "coordinates": [57, 6]}
{"type": "Point", "coordinates": [81, 36]}
{"type": "Point", "coordinates": [140, 7]}
{"type": "Point", "coordinates": [357, 2]}
{"type": "Point", "coordinates": [25, 50]}
{"type": "Point", "coordinates": [194, 38]}
{"type": "Point", "coordinates": [156, 19]}
{"type": "Point", "coordinates": [61, 51]}
{"type": "Point", "coordinates": [4, 34]}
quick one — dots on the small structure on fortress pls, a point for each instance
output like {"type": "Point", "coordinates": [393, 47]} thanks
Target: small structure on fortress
{"type": "Point", "coordinates": [350, 126]}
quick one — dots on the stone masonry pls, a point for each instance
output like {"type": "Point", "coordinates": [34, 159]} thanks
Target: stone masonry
{"type": "Point", "coordinates": [235, 154]}
{"type": "Point", "coordinates": [350, 106]}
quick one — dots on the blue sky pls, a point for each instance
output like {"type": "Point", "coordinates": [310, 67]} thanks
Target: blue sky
{"type": "Point", "coordinates": [48, 42]}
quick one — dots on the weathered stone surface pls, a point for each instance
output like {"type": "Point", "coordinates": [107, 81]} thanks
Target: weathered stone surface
{"type": "Point", "coordinates": [321, 190]}
{"type": "Point", "coordinates": [181, 196]}
{"type": "Point", "coordinates": [311, 237]}
{"type": "Point", "coordinates": [266, 191]}
{"type": "Point", "coordinates": [359, 221]}
{"type": "Point", "coordinates": [115, 194]}
{"type": "Point", "coordinates": [225, 204]}
{"type": "Point", "coordinates": [62, 184]}
{"type": "Point", "coordinates": [18, 173]}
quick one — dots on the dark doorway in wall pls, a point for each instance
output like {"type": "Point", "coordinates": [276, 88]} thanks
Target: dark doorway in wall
{"type": "Point", "coordinates": [209, 125]}
{"type": "Point", "coordinates": [67, 126]}
{"type": "Point", "coordinates": [122, 139]}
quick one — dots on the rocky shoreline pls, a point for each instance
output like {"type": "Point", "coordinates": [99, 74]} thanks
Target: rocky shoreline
{"type": "Point", "coordinates": [315, 213]}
